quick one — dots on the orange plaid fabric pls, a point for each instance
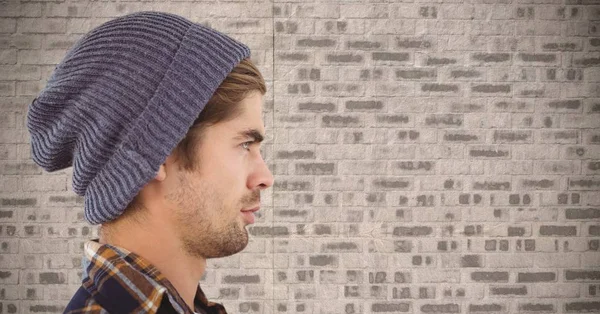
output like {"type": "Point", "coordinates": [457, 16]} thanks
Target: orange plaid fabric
{"type": "Point", "coordinates": [118, 281]}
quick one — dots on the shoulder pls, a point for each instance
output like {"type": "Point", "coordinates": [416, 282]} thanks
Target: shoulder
{"type": "Point", "coordinates": [83, 302]}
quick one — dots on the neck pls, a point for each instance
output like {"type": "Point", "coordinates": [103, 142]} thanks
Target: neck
{"type": "Point", "coordinates": [160, 246]}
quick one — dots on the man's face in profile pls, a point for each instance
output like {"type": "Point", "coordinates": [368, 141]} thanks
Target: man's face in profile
{"type": "Point", "coordinates": [212, 203]}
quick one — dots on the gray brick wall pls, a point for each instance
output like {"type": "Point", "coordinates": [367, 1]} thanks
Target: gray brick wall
{"type": "Point", "coordinates": [429, 156]}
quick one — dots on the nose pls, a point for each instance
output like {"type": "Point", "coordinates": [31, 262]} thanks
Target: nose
{"type": "Point", "coordinates": [261, 177]}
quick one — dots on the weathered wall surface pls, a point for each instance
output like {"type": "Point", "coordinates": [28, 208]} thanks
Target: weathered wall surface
{"type": "Point", "coordinates": [429, 156]}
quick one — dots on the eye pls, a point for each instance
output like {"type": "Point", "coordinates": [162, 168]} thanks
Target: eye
{"type": "Point", "coordinates": [246, 145]}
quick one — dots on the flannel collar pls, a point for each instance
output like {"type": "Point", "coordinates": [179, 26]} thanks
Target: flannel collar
{"type": "Point", "coordinates": [124, 282]}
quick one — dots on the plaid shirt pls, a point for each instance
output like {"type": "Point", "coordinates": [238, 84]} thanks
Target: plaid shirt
{"type": "Point", "coordinates": [119, 281]}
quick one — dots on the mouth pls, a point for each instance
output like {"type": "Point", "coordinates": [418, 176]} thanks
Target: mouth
{"type": "Point", "coordinates": [250, 210]}
{"type": "Point", "coordinates": [248, 214]}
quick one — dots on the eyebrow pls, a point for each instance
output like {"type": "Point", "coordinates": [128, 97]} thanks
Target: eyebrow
{"type": "Point", "coordinates": [256, 136]}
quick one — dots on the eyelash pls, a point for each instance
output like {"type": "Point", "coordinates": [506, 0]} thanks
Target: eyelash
{"type": "Point", "coordinates": [247, 143]}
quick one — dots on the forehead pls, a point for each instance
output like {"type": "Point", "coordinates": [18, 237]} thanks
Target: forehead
{"type": "Point", "coordinates": [249, 115]}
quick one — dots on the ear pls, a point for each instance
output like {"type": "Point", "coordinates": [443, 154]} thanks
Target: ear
{"type": "Point", "coordinates": [161, 175]}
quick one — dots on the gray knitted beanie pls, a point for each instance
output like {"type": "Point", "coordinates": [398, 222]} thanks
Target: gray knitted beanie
{"type": "Point", "coordinates": [121, 100]}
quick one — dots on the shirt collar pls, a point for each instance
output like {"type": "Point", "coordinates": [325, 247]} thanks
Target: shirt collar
{"type": "Point", "coordinates": [141, 278]}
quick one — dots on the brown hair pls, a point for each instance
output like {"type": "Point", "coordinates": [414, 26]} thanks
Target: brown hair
{"type": "Point", "coordinates": [223, 106]}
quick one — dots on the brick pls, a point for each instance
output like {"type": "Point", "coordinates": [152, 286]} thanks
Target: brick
{"type": "Point", "coordinates": [412, 231]}
{"type": "Point", "coordinates": [344, 58]}
{"type": "Point", "coordinates": [487, 308]}
{"type": "Point", "coordinates": [471, 261]}
{"type": "Point", "coordinates": [414, 42]}
{"type": "Point", "coordinates": [536, 307]}
{"type": "Point", "coordinates": [340, 247]}
{"type": "Point", "coordinates": [508, 290]}
{"type": "Point", "coordinates": [583, 183]}
{"type": "Point", "coordinates": [341, 152]}
{"type": "Point", "coordinates": [552, 260]}
{"type": "Point", "coordinates": [436, 87]}
{"type": "Point", "coordinates": [392, 120]}
{"type": "Point", "coordinates": [488, 151]}
{"type": "Point", "coordinates": [20, 72]}
{"type": "Point", "coordinates": [556, 167]}
{"type": "Point", "coordinates": [293, 57]}
{"type": "Point", "coordinates": [559, 44]}
{"type": "Point", "coordinates": [415, 74]}
{"type": "Point", "coordinates": [392, 26]}
{"type": "Point", "coordinates": [462, 136]}
{"type": "Point", "coordinates": [582, 275]}
{"type": "Point", "coordinates": [513, 137]}
{"type": "Point", "coordinates": [52, 278]}
{"type": "Point", "coordinates": [359, 74]}
{"type": "Point", "coordinates": [390, 56]}
{"type": "Point", "coordinates": [582, 213]}
{"type": "Point", "coordinates": [490, 57]}
{"type": "Point", "coordinates": [440, 308]}
{"type": "Point", "coordinates": [591, 137]}
{"type": "Point", "coordinates": [487, 121]}
{"type": "Point", "coordinates": [405, 167]}
{"type": "Point", "coordinates": [323, 260]}
{"type": "Point", "coordinates": [490, 88]}
{"type": "Point", "coordinates": [489, 276]}
{"type": "Point", "coordinates": [580, 152]}
{"type": "Point", "coordinates": [392, 183]}
{"type": "Point", "coordinates": [54, 183]}
{"type": "Point", "coordinates": [447, 120]}
{"type": "Point", "coordinates": [268, 231]}
{"type": "Point", "coordinates": [437, 276]}
{"type": "Point", "coordinates": [356, 105]}
{"type": "Point", "coordinates": [454, 106]}
{"type": "Point", "coordinates": [536, 277]}
{"type": "Point", "coordinates": [590, 306]}
{"type": "Point", "coordinates": [8, 25]}
{"type": "Point", "coordinates": [580, 122]}
{"type": "Point", "coordinates": [556, 290]}
{"type": "Point", "coordinates": [316, 42]}
{"type": "Point", "coordinates": [390, 307]}
{"type": "Point", "coordinates": [383, 89]}
{"type": "Point", "coordinates": [559, 137]}
{"type": "Point", "coordinates": [374, 136]}
{"type": "Point", "coordinates": [341, 121]}
{"type": "Point", "coordinates": [466, 74]}
{"type": "Point", "coordinates": [440, 27]}
{"type": "Point", "coordinates": [362, 167]}
{"type": "Point", "coordinates": [550, 230]}
{"type": "Point", "coordinates": [352, 26]}
{"type": "Point", "coordinates": [366, 44]}
{"type": "Point", "coordinates": [491, 185]}
{"type": "Point", "coordinates": [14, 202]}
{"type": "Point", "coordinates": [537, 57]}
{"type": "Point", "coordinates": [241, 279]}
{"type": "Point", "coordinates": [563, 105]}
{"type": "Point", "coordinates": [535, 183]}
{"type": "Point", "coordinates": [590, 259]}
{"type": "Point", "coordinates": [586, 62]}
{"type": "Point", "coordinates": [397, 152]}
{"type": "Point", "coordinates": [296, 154]}
{"type": "Point", "coordinates": [523, 260]}
{"type": "Point", "coordinates": [49, 25]}
{"type": "Point", "coordinates": [315, 168]}
{"type": "Point", "coordinates": [341, 90]}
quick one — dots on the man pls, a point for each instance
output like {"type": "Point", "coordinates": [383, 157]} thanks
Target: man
{"type": "Point", "coordinates": [161, 120]}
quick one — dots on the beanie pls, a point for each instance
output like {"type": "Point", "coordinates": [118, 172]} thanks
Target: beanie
{"type": "Point", "coordinates": [121, 100]}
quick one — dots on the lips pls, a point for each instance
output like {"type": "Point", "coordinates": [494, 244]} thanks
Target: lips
{"type": "Point", "coordinates": [252, 210]}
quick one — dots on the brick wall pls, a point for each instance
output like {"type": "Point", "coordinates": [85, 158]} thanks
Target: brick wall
{"type": "Point", "coordinates": [429, 156]}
